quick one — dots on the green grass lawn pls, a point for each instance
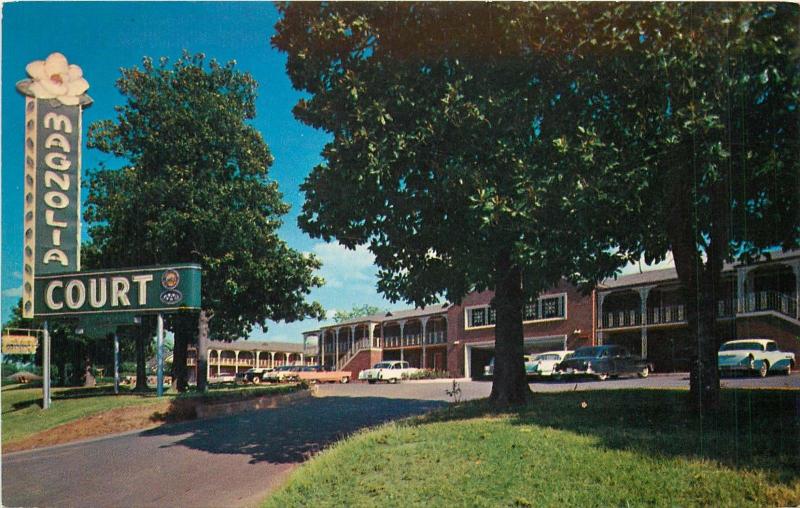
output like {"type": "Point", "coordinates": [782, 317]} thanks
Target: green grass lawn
{"type": "Point", "coordinates": [624, 448]}
{"type": "Point", "coordinates": [23, 416]}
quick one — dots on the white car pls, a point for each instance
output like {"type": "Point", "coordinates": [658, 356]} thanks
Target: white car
{"type": "Point", "coordinates": [390, 371]}
{"type": "Point", "coordinates": [760, 356]}
{"type": "Point", "coordinates": [544, 364]}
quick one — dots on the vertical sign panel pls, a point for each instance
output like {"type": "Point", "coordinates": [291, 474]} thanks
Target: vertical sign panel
{"type": "Point", "coordinates": [52, 192]}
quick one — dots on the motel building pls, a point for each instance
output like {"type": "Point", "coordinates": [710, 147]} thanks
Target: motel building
{"type": "Point", "coordinates": [226, 359]}
{"type": "Point", "coordinates": [643, 312]}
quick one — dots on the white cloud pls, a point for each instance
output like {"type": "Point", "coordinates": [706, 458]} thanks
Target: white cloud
{"type": "Point", "coordinates": [13, 292]}
{"type": "Point", "coordinates": [345, 268]}
{"type": "Point", "coordinates": [330, 313]}
{"type": "Point", "coordinates": [641, 266]}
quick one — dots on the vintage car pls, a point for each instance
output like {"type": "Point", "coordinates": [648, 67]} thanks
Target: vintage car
{"type": "Point", "coordinates": [254, 375]}
{"type": "Point", "coordinates": [759, 356]}
{"type": "Point", "coordinates": [603, 362]}
{"type": "Point", "coordinates": [389, 371]}
{"type": "Point", "coordinates": [544, 364]}
{"type": "Point", "coordinates": [316, 374]}
{"type": "Point", "coordinates": [282, 374]}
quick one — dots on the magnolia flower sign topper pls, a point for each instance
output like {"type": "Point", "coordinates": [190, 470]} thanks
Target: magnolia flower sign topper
{"type": "Point", "coordinates": [55, 78]}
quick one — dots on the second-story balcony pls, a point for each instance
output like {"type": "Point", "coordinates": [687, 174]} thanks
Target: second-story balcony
{"type": "Point", "coordinates": [410, 340]}
{"type": "Point", "coordinates": [758, 302]}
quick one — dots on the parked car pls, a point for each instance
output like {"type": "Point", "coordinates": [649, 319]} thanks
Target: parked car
{"type": "Point", "coordinates": [315, 374]}
{"type": "Point", "coordinates": [759, 356]}
{"type": "Point", "coordinates": [282, 374]}
{"type": "Point", "coordinates": [603, 362]}
{"type": "Point", "coordinates": [391, 372]}
{"type": "Point", "coordinates": [488, 370]}
{"type": "Point", "coordinates": [255, 375]}
{"type": "Point", "coordinates": [544, 364]}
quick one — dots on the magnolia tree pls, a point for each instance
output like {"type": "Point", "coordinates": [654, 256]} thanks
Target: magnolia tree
{"type": "Point", "coordinates": [196, 189]}
{"type": "Point", "coordinates": [456, 154]}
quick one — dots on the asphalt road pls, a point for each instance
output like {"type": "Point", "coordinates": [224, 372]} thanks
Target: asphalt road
{"type": "Point", "coordinates": [231, 461]}
{"type": "Point", "coordinates": [238, 460]}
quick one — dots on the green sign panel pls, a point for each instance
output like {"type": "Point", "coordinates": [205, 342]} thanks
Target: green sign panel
{"type": "Point", "coordinates": [58, 184]}
{"type": "Point", "coordinates": [133, 291]}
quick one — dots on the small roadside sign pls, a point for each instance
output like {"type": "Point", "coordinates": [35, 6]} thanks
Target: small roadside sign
{"type": "Point", "coordinates": [19, 344]}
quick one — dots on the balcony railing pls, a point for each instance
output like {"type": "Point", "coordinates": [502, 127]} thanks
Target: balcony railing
{"type": "Point", "coordinates": [414, 340]}
{"type": "Point", "coordinates": [762, 301]}
{"type": "Point", "coordinates": [765, 301]}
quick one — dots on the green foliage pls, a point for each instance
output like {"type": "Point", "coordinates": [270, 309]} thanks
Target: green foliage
{"type": "Point", "coordinates": [355, 312]}
{"type": "Point", "coordinates": [701, 100]}
{"type": "Point", "coordinates": [602, 448]}
{"type": "Point", "coordinates": [196, 189]}
{"type": "Point", "coordinates": [449, 127]}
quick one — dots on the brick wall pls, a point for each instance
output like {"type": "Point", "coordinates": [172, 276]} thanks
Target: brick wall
{"type": "Point", "coordinates": [363, 360]}
{"type": "Point", "coordinates": [782, 332]}
{"type": "Point", "coordinates": [579, 317]}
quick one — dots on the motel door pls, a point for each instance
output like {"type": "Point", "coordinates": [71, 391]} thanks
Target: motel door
{"type": "Point", "coordinates": [437, 362]}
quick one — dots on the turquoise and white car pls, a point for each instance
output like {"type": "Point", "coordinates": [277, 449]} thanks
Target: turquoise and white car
{"type": "Point", "coordinates": [759, 356]}
{"type": "Point", "coordinates": [544, 364]}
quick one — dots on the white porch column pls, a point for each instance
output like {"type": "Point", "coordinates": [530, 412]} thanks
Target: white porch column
{"type": "Point", "coordinates": [219, 361]}
{"type": "Point", "coordinates": [208, 364]}
{"type": "Point", "coordinates": [371, 335]}
{"type": "Point", "coordinates": [643, 294]}
{"type": "Point", "coordinates": [796, 270]}
{"type": "Point", "coordinates": [236, 361]}
{"type": "Point", "coordinates": [741, 275]}
{"type": "Point", "coordinates": [302, 362]}
{"type": "Point", "coordinates": [402, 337]}
{"type": "Point", "coordinates": [336, 349]}
{"type": "Point", "coordinates": [321, 348]}
{"type": "Point", "coordinates": [258, 357]}
{"type": "Point", "coordinates": [424, 322]}
{"type": "Point", "coordinates": [601, 296]}
{"type": "Point", "coordinates": [286, 356]}
{"type": "Point", "coordinates": [272, 359]}
{"type": "Point", "coordinates": [352, 339]}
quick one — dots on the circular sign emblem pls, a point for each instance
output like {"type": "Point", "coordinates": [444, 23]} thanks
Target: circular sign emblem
{"type": "Point", "coordinates": [171, 297]}
{"type": "Point", "coordinates": [170, 279]}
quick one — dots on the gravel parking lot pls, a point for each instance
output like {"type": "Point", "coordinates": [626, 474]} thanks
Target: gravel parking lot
{"type": "Point", "coordinates": [435, 389]}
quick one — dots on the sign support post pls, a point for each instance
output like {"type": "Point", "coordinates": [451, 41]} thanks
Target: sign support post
{"type": "Point", "coordinates": [116, 363]}
{"type": "Point", "coordinates": [160, 355]}
{"type": "Point", "coordinates": [45, 366]}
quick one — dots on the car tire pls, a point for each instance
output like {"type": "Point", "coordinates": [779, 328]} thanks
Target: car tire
{"type": "Point", "coordinates": [788, 370]}
{"type": "Point", "coordinates": [601, 377]}
{"type": "Point", "coordinates": [763, 369]}
{"type": "Point", "coordinates": [393, 380]}
{"type": "Point", "coordinates": [344, 380]}
{"type": "Point", "coordinates": [645, 372]}
{"type": "Point", "coordinates": [371, 381]}
{"type": "Point", "coordinates": [256, 380]}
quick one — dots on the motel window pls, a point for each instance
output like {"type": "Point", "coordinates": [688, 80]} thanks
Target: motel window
{"type": "Point", "coordinates": [547, 307]}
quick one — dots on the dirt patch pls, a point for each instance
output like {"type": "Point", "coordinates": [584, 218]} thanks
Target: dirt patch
{"type": "Point", "coordinates": [124, 419]}
{"type": "Point", "coordinates": [109, 422]}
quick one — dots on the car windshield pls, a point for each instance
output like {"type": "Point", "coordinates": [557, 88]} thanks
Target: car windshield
{"type": "Point", "coordinates": [742, 346]}
{"type": "Point", "coordinates": [589, 351]}
{"type": "Point", "coordinates": [547, 357]}
{"type": "Point", "coordinates": [383, 365]}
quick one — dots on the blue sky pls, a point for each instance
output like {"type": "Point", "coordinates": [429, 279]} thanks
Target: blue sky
{"type": "Point", "coordinates": [102, 37]}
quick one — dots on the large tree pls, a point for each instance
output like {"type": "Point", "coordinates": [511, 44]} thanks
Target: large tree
{"type": "Point", "coordinates": [702, 99]}
{"type": "Point", "coordinates": [196, 189]}
{"type": "Point", "coordinates": [356, 312]}
{"type": "Point", "coordinates": [452, 127]}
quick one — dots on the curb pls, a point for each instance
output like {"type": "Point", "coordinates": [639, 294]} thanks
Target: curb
{"type": "Point", "coordinates": [264, 402]}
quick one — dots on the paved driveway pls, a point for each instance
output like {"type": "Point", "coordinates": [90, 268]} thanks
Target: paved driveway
{"type": "Point", "coordinates": [237, 460]}
{"type": "Point", "coordinates": [231, 461]}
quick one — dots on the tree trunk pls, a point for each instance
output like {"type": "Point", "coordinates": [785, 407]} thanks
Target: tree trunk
{"type": "Point", "coordinates": [202, 351]}
{"type": "Point", "coordinates": [700, 283]}
{"type": "Point", "coordinates": [184, 333]}
{"type": "Point", "coordinates": [510, 386]}
{"type": "Point", "coordinates": [142, 336]}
